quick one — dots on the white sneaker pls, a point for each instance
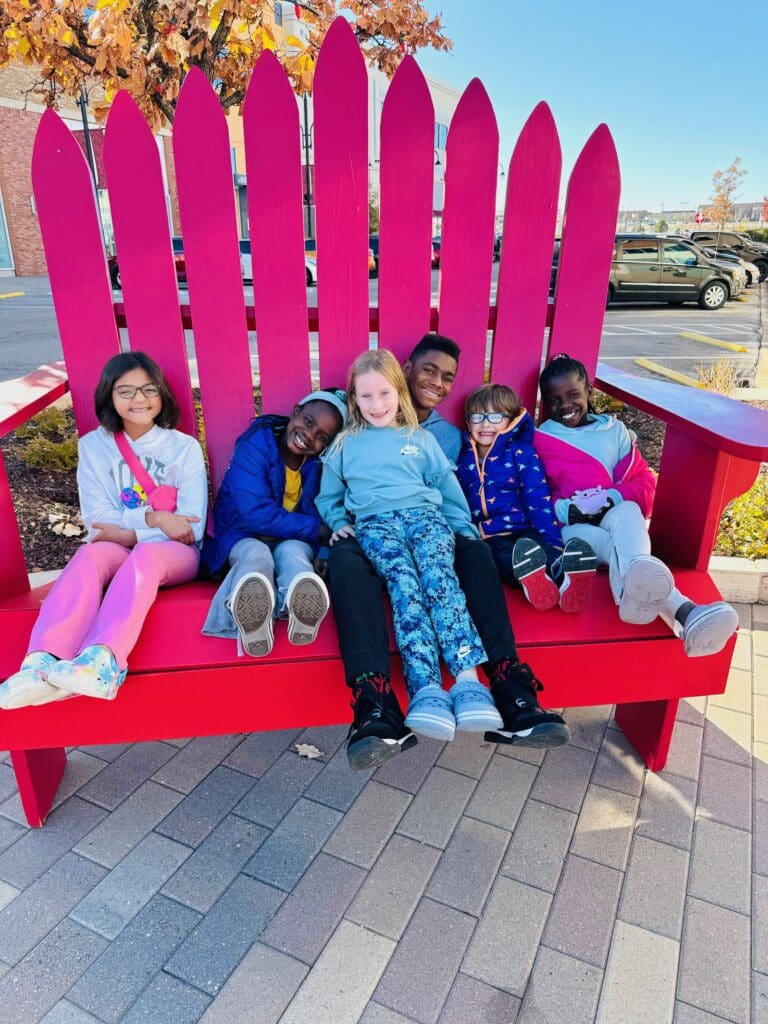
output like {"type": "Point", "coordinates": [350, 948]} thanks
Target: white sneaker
{"type": "Point", "coordinates": [647, 585]}
{"type": "Point", "coordinates": [29, 686]}
{"type": "Point", "coordinates": [252, 605]}
{"type": "Point", "coordinates": [708, 628]}
{"type": "Point", "coordinates": [307, 603]}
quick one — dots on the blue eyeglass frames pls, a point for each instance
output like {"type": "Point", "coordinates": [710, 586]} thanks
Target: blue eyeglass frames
{"type": "Point", "coordinates": [492, 417]}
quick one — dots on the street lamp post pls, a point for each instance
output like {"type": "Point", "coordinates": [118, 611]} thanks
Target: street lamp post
{"type": "Point", "coordinates": [307, 141]}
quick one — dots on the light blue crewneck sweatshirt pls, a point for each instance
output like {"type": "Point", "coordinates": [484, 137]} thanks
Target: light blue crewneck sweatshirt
{"type": "Point", "coordinates": [381, 469]}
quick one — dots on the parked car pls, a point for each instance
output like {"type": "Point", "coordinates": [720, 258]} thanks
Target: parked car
{"type": "Point", "coordinates": [178, 258]}
{"type": "Point", "coordinates": [728, 263]}
{"type": "Point", "coordinates": [736, 244]}
{"type": "Point", "coordinates": [373, 241]}
{"type": "Point", "coordinates": [659, 269]}
{"type": "Point", "coordinates": [727, 260]}
{"type": "Point", "coordinates": [246, 266]}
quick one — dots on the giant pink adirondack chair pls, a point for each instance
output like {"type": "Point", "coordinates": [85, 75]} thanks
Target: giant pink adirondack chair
{"type": "Point", "coordinates": [183, 684]}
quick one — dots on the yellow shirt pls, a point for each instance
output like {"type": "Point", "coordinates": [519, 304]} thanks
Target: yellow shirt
{"type": "Point", "coordinates": [292, 488]}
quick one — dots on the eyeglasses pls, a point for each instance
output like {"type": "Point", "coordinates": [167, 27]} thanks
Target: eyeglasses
{"type": "Point", "coordinates": [492, 417]}
{"type": "Point", "coordinates": [128, 391]}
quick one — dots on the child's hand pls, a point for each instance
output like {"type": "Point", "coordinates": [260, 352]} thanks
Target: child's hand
{"type": "Point", "coordinates": [114, 534]}
{"type": "Point", "coordinates": [343, 531]}
{"type": "Point", "coordinates": [175, 525]}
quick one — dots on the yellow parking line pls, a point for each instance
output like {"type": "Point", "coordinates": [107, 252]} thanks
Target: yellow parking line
{"type": "Point", "coordinates": [732, 345]}
{"type": "Point", "coordinates": [12, 295]}
{"type": "Point", "coordinates": [662, 371]}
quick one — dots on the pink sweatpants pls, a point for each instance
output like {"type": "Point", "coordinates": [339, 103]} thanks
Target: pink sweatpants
{"type": "Point", "coordinates": [77, 612]}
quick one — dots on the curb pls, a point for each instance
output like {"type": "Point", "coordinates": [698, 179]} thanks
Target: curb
{"type": "Point", "coordinates": [739, 580]}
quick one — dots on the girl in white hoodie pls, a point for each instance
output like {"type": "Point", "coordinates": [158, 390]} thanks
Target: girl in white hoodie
{"type": "Point", "coordinates": [82, 637]}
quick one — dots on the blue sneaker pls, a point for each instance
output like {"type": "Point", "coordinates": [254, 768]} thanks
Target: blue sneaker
{"type": "Point", "coordinates": [93, 673]}
{"type": "Point", "coordinates": [473, 707]}
{"type": "Point", "coordinates": [431, 713]}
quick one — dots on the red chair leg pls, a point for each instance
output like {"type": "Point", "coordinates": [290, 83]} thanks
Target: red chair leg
{"type": "Point", "coordinates": [648, 726]}
{"type": "Point", "coordinates": [38, 774]}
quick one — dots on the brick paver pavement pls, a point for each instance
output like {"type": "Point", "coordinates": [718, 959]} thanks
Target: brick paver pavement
{"type": "Point", "coordinates": [227, 880]}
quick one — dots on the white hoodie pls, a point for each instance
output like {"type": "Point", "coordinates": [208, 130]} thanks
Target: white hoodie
{"type": "Point", "coordinates": [169, 457]}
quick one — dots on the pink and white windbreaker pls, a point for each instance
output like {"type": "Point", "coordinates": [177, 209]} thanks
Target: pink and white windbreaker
{"type": "Point", "coordinates": [605, 455]}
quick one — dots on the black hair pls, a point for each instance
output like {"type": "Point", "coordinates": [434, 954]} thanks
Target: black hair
{"type": "Point", "coordinates": [562, 365]}
{"type": "Point", "coordinates": [436, 342]}
{"type": "Point", "coordinates": [115, 368]}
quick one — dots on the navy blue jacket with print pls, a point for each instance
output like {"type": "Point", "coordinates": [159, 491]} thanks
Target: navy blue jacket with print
{"type": "Point", "coordinates": [250, 500]}
{"type": "Point", "coordinates": [507, 489]}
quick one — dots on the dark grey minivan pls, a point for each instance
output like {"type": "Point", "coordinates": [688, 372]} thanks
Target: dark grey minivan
{"type": "Point", "coordinates": [653, 268]}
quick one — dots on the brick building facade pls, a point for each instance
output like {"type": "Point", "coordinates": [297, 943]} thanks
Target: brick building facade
{"type": "Point", "coordinates": [21, 247]}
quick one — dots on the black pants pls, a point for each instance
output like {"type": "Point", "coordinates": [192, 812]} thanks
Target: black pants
{"type": "Point", "coordinates": [356, 593]}
{"type": "Point", "coordinates": [501, 548]}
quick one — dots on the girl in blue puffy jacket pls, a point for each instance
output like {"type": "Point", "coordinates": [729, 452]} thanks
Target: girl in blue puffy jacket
{"type": "Point", "coordinates": [268, 531]}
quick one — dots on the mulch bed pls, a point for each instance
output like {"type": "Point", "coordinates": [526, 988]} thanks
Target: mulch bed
{"type": "Point", "coordinates": [47, 502]}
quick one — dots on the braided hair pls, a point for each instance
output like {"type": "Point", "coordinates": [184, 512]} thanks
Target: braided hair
{"type": "Point", "coordinates": [562, 365]}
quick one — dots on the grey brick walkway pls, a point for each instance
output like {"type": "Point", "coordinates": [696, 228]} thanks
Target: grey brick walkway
{"type": "Point", "coordinates": [226, 880]}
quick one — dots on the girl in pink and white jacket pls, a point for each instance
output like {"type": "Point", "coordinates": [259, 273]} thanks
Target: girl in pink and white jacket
{"type": "Point", "coordinates": [603, 491]}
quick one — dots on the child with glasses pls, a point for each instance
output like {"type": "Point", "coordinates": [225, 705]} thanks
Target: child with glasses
{"type": "Point", "coordinates": [511, 505]}
{"type": "Point", "coordinates": [143, 497]}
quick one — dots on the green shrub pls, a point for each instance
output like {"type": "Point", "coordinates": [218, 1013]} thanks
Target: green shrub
{"type": "Point", "coordinates": [758, 234]}
{"type": "Point", "coordinates": [51, 441]}
{"type": "Point", "coordinates": [744, 526]}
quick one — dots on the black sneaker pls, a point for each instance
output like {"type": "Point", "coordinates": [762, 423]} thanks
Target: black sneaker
{"type": "Point", "coordinates": [514, 688]}
{"type": "Point", "coordinates": [378, 731]}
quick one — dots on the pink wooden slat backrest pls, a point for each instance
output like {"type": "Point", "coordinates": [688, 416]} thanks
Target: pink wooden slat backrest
{"type": "Point", "coordinates": [209, 228]}
{"type": "Point", "coordinates": [405, 239]}
{"type": "Point", "coordinates": [143, 244]}
{"type": "Point", "coordinates": [589, 230]}
{"type": "Point", "coordinates": [530, 215]}
{"type": "Point", "coordinates": [74, 252]}
{"type": "Point", "coordinates": [341, 179]}
{"type": "Point", "coordinates": [466, 252]}
{"type": "Point", "coordinates": [273, 160]}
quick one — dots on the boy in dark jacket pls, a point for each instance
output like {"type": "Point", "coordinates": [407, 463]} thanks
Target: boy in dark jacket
{"type": "Point", "coordinates": [511, 505]}
{"type": "Point", "coordinates": [268, 531]}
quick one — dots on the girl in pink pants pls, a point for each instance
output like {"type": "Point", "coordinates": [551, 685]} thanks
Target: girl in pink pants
{"type": "Point", "coordinates": [90, 621]}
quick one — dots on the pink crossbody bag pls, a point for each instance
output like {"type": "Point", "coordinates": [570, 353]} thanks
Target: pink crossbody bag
{"type": "Point", "coordinates": [160, 497]}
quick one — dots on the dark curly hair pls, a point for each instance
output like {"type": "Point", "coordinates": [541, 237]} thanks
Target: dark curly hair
{"type": "Point", "coordinates": [115, 368]}
{"type": "Point", "coordinates": [435, 343]}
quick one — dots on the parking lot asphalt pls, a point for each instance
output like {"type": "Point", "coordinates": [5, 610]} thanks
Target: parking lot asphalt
{"type": "Point", "coordinates": [29, 335]}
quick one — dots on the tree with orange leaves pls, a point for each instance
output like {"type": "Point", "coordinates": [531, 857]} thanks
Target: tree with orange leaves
{"type": "Point", "coordinates": [147, 46]}
{"type": "Point", "coordinates": [724, 185]}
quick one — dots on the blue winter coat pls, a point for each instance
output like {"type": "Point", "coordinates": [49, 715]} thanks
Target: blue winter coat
{"type": "Point", "coordinates": [507, 489]}
{"type": "Point", "coordinates": [250, 500]}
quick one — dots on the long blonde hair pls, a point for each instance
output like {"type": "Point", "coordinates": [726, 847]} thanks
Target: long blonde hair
{"type": "Point", "coordinates": [381, 361]}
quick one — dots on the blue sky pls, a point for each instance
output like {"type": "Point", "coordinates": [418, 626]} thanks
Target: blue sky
{"type": "Point", "coordinates": [681, 84]}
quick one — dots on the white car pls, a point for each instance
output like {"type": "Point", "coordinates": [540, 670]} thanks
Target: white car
{"type": "Point", "coordinates": [246, 268]}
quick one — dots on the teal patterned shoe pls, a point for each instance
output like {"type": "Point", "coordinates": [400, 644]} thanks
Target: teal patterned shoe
{"type": "Point", "coordinates": [473, 707]}
{"type": "Point", "coordinates": [29, 686]}
{"type": "Point", "coordinates": [93, 673]}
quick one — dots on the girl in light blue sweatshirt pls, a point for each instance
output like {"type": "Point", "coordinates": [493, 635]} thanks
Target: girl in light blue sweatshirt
{"type": "Point", "coordinates": [387, 482]}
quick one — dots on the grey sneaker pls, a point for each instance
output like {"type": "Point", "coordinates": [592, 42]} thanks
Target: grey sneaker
{"type": "Point", "coordinates": [647, 585]}
{"type": "Point", "coordinates": [307, 603]}
{"type": "Point", "coordinates": [708, 628]}
{"type": "Point", "coordinates": [252, 604]}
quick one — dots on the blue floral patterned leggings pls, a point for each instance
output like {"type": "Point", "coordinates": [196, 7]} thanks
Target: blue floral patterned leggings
{"type": "Point", "coordinates": [412, 550]}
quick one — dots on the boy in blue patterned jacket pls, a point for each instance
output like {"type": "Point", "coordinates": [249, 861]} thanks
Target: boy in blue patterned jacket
{"type": "Point", "coordinates": [511, 505]}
